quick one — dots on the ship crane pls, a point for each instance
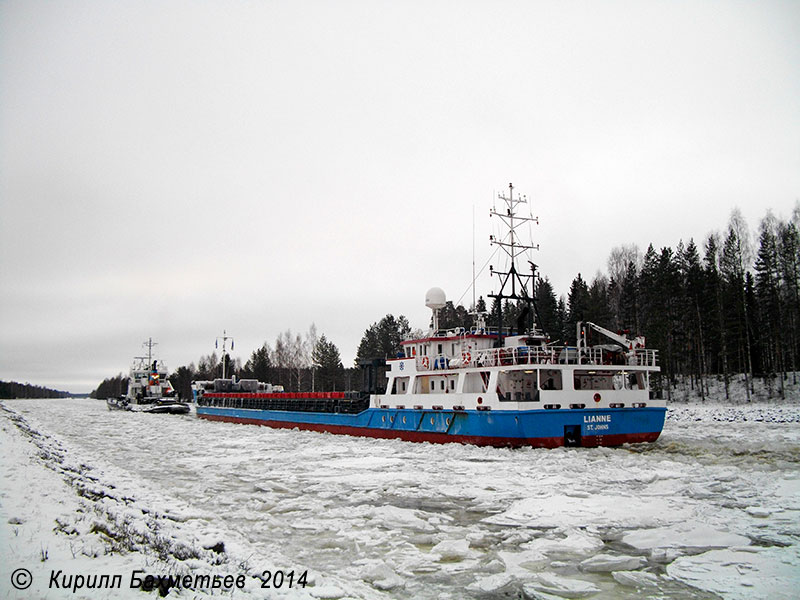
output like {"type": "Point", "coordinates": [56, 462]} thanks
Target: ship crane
{"type": "Point", "coordinates": [629, 345]}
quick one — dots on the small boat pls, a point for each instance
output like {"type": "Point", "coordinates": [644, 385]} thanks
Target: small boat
{"type": "Point", "coordinates": [149, 388]}
{"type": "Point", "coordinates": [484, 386]}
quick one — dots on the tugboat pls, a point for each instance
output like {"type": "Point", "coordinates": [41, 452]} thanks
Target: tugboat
{"type": "Point", "coordinates": [489, 387]}
{"type": "Point", "coordinates": [149, 388]}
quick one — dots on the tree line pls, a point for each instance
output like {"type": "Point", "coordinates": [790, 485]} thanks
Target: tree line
{"type": "Point", "coordinates": [730, 307]}
{"type": "Point", "coordinates": [735, 309]}
{"type": "Point", "coordinates": [12, 389]}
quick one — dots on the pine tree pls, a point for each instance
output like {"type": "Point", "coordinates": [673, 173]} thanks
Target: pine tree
{"type": "Point", "coordinates": [628, 317]}
{"type": "Point", "coordinates": [691, 272]}
{"type": "Point", "coordinates": [578, 306]}
{"type": "Point", "coordinates": [598, 305]}
{"type": "Point", "coordinates": [259, 366]}
{"type": "Point", "coordinates": [181, 380]}
{"type": "Point", "coordinates": [382, 339]}
{"type": "Point", "coordinates": [547, 306]}
{"type": "Point", "coordinates": [328, 364]}
{"type": "Point", "coordinates": [789, 252]}
{"type": "Point", "coordinates": [733, 265]}
{"type": "Point", "coordinates": [717, 340]}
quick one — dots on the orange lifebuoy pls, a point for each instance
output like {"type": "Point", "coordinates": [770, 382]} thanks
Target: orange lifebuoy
{"type": "Point", "coordinates": [466, 357]}
{"type": "Point", "coordinates": [425, 362]}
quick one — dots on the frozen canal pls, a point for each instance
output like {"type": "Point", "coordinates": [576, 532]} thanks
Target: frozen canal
{"type": "Point", "coordinates": [710, 510]}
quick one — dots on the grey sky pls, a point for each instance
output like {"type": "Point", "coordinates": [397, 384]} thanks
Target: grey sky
{"type": "Point", "coordinates": [176, 169]}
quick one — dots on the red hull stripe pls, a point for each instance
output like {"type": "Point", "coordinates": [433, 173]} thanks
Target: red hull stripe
{"type": "Point", "coordinates": [443, 438]}
{"type": "Point", "coordinates": [284, 395]}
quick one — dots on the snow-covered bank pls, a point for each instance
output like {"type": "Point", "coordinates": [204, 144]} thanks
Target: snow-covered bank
{"type": "Point", "coordinates": [763, 390]}
{"type": "Point", "coordinates": [713, 507]}
{"type": "Point", "coordinates": [71, 530]}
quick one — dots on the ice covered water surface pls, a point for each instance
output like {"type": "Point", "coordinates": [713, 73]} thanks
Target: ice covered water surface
{"type": "Point", "coordinates": [438, 521]}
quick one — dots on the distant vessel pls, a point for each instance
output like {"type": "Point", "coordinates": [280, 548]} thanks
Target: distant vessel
{"type": "Point", "coordinates": [490, 387]}
{"type": "Point", "coordinates": [149, 388]}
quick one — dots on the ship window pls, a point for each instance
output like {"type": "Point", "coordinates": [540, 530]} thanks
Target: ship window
{"type": "Point", "coordinates": [453, 384]}
{"type": "Point", "coordinates": [433, 385]}
{"type": "Point", "coordinates": [550, 379]}
{"type": "Point", "coordinates": [442, 384]}
{"type": "Point", "coordinates": [400, 385]}
{"type": "Point", "coordinates": [476, 382]}
{"type": "Point", "coordinates": [439, 348]}
{"type": "Point", "coordinates": [636, 381]}
{"type": "Point", "coordinates": [517, 386]}
{"type": "Point", "coordinates": [592, 379]}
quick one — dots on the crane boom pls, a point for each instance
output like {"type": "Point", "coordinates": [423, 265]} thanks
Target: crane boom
{"type": "Point", "coordinates": [626, 343]}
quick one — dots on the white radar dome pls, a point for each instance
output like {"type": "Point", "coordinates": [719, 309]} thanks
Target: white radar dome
{"type": "Point", "coordinates": [435, 298]}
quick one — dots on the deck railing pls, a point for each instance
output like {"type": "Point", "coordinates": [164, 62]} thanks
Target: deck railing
{"type": "Point", "coordinates": [537, 355]}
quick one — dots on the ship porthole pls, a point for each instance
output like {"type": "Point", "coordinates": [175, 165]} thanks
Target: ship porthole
{"type": "Point", "coordinates": [391, 419]}
{"type": "Point", "coordinates": [447, 421]}
{"type": "Point", "coordinates": [431, 420]}
{"type": "Point", "coordinates": [404, 419]}
{"type": "Point", "coordinates": [383, 418]}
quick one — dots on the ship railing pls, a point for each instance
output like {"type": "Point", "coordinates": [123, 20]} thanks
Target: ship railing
{"type": "Point", "coordinates": [534, 355]}
{"type": "Point", "coordinates": [516, 355]}
{"type": "Point", "coordinates": [640, 357]}
{"type": "Point", "coordinates": [646, 358]}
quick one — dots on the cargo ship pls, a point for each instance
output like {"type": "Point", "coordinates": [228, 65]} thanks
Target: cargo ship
{"type": "Point", "coordinates": [488, 386]}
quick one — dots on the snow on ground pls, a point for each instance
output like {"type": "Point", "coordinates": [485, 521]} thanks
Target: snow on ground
{"type": "Point", "coordinates": [712, 509]}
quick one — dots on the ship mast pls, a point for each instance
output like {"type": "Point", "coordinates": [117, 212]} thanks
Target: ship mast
{"type": "Point", "coordinates": [521, 284]}
{"type": "Point", "coordinates": [224, 337]}
{"type": "Point", "coordinates": [149, 345]}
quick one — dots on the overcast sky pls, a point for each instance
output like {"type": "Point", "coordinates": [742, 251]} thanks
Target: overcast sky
{"type": "Point", "coordinates": [173, 169]}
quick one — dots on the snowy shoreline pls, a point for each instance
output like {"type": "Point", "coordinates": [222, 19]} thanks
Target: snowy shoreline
{"type": "Point", "coordinates": [713, 507]}
{"type": "Point", "coordinates": [80, 535]}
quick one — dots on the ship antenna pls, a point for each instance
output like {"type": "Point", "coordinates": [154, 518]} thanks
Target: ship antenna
{"type": "Point", "coordinates": [474, 305]}
{"type": "Point", "coordinates": [224, 337]}
{"type": "Point", "coordinates": [149, 345]}
{"type": "Point", "coordinates": [513, 248]}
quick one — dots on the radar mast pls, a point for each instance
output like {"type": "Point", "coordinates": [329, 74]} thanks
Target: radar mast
{"type": "Point", "coordinates": [514, 285]}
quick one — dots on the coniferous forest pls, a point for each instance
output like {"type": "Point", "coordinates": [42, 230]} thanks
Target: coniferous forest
{"type": "Point", "coordinates": [726, 307]}
{"type": "Point", "coordinates": [12, 389]}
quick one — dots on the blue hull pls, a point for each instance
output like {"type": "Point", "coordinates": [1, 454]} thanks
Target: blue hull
{"type": "Point", "coordinates": [540, 428]}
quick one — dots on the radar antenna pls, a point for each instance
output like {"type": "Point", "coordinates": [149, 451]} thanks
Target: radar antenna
{"type": "Point", "coordinates": [521, 284]}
